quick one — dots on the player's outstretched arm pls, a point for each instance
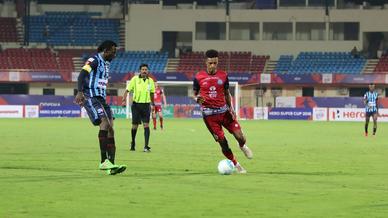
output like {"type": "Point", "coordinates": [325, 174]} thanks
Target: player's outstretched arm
{"type": "Point", "coordinates": [164, 99]}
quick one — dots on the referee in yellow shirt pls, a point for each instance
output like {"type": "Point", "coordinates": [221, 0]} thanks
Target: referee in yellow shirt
{"type": "Point", "coordinates": [143, 88]}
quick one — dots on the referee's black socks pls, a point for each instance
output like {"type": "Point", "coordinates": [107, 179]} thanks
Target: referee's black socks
{"type": "Point", "coordinates": [146, 136]}
{"type": "Point", "coordinates": [133, 135]}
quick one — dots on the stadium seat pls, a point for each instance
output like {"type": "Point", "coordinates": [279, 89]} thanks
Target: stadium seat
{"type": "Point", "coordinates": [382, 65]}
{"type": "Point", "coordinates": [68, 29]}
{"type": "Point", "coordinates": [235, 62]}
{"type": "Point", "coordinates": [9, 24]}
{"type": "Point", "coordinates": [130, 61]}
{"type": "Point", "coordinates": [320, 62]}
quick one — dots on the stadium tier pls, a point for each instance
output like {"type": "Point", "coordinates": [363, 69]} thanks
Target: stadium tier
{"type": "Point", "coordinates": [8, 24]}
{"type": "Point", "coordinates": [284, 63]}
{"type": "Point", "coordinates": [35, 59]}
{"type": "Point", "coordinates": [72, 28]}
{"type": "Point", "coordinates": [321, 62]}
{"type": "Point", "coordinates": [382, 65]}
{"type": "Point", "coordinates": [237, 62]}
{"type": "Point", "coordinates": [130, 61]}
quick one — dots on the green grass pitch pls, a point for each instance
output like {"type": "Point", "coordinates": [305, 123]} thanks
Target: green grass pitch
{"type": "Point", "coordinates": [48, 168]}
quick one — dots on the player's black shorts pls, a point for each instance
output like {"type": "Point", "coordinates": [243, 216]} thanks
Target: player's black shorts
{"type": "Point", "coordinates": [140, 113]}
{"type": "Point", "coordinates": [97, 108]}
{"type": "Point", "coordinates": [370, 114]}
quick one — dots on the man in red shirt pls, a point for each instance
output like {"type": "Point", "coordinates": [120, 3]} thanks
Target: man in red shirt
{"type": "Point", "coordinates": [211, 91]}
{"type": "Point", "coordinates": [158, 97]}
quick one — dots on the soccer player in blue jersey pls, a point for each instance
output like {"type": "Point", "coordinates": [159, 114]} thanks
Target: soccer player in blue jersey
{"type": "Point", "coordinates": [371, 108]}
{"type": "Point", "coordinates": [92, 82]}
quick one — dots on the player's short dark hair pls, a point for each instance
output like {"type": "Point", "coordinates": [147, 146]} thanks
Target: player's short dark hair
{"type": "Point", "coordinates": [212, 53]}
{"type": "Point", "coordinates": [143, 65]}
{"type": "Point", "coordinates": [371, 84]}
{"type": "Point", "coordinates": [106, 45]}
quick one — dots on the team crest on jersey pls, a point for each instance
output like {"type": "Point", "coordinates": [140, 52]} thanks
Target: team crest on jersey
{"type": "Point", "coordinates": [219, 82]}
{"type": "Point", "coordinates": [100, 111]}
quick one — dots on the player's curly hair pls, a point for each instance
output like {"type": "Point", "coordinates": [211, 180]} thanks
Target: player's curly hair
{"type": "Point", "coordinates": [211, 53]}
{"type": "Point", "coordinates": [106, 45]}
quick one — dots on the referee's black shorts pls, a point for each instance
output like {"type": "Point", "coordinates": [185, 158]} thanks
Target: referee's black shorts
{"type": "Point", "coordinates": [141, 113]}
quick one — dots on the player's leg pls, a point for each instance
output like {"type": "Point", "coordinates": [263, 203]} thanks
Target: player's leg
{"type": "Point", "coordinates": [111, 146]}
{"type": "Point", "coordinates": [374, 123]}
{"type": "Point", "coordinates": [160, 113]}
{"type": "Point", "coordinates": [108, 120]}
{"type": "Point", "coordinates": [235, 129]}
{"type": "Point", "coordinates": [145, 117]}
{"type": "Point", "coordinates": [214, 125]}
{"type": "Point", "coordinates": [367, 118]}
{"type": "Point", "coordinates": [154, 117]}
{"type": "Point", "coordinates": [95, 113]}
{"type": "Point", "coordinates": [136, 120]}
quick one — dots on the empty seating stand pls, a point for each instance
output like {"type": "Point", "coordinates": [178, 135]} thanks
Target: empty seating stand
{"type": "Point", "coordinates": [38, 60]}
{"type": "Point", "coordinates": [234, 62]}
{"type": "Point", "coordinates": [28, 59]}
{"type": "Point", "coordinates": [8, 31]}
{"type": "Point", "coordinates": [321, 62]}
{"type": "Point", "coordinates": [130, 61]}
{"type": "Point", "coordinates": [73, 29]}
{"type": "Point", "coordinates": [382, 65]}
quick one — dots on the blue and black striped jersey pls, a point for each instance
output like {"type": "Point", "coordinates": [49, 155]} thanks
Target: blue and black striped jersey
{"type": "Point", "coordinates": [371, 101]}
{"type": "Point", "coordinates": [98, 69]}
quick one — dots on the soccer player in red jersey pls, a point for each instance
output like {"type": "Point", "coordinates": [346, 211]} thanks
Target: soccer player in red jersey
{"type": "Point", "coordinates": [211, 91]}
{"type": "Point", "coordinates": [158, 97]}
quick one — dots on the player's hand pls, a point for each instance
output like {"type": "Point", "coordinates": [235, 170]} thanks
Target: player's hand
{"type": "Point", "coordinates": [200, 100]}
{"type": "Point", "coordinates": [123, 102]}
{"type": "Point", "coordinates": [79, 99]}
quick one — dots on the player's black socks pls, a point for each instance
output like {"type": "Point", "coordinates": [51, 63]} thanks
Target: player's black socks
{"type": "Point", "coordinates": [103, 138]}
{"type": "Point", "coordinates": [111, 148]}
{"type": "Point", "coordinates": [366, 128]}
{"type": "Point", "coordinates": [133, 134]}
{"type": "Point", "coordinates": [374, 130]}
{"type": "Point", "coordinates": [146, 136]}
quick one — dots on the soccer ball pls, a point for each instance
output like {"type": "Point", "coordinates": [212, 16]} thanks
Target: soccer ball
{"type": "Point", "coordinates": [225, 167]}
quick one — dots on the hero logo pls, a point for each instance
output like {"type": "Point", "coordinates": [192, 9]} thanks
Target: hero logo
{"type": "Point", "coordinates": [212, 92]}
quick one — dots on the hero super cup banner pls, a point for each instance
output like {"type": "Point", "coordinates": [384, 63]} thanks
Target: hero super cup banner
{"type": "Point", "coordinates": [354, 114]}
{"type": "Point", "coordinates": [290, 114]}
{"type": "Point", "coordinates": [60, 111]}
